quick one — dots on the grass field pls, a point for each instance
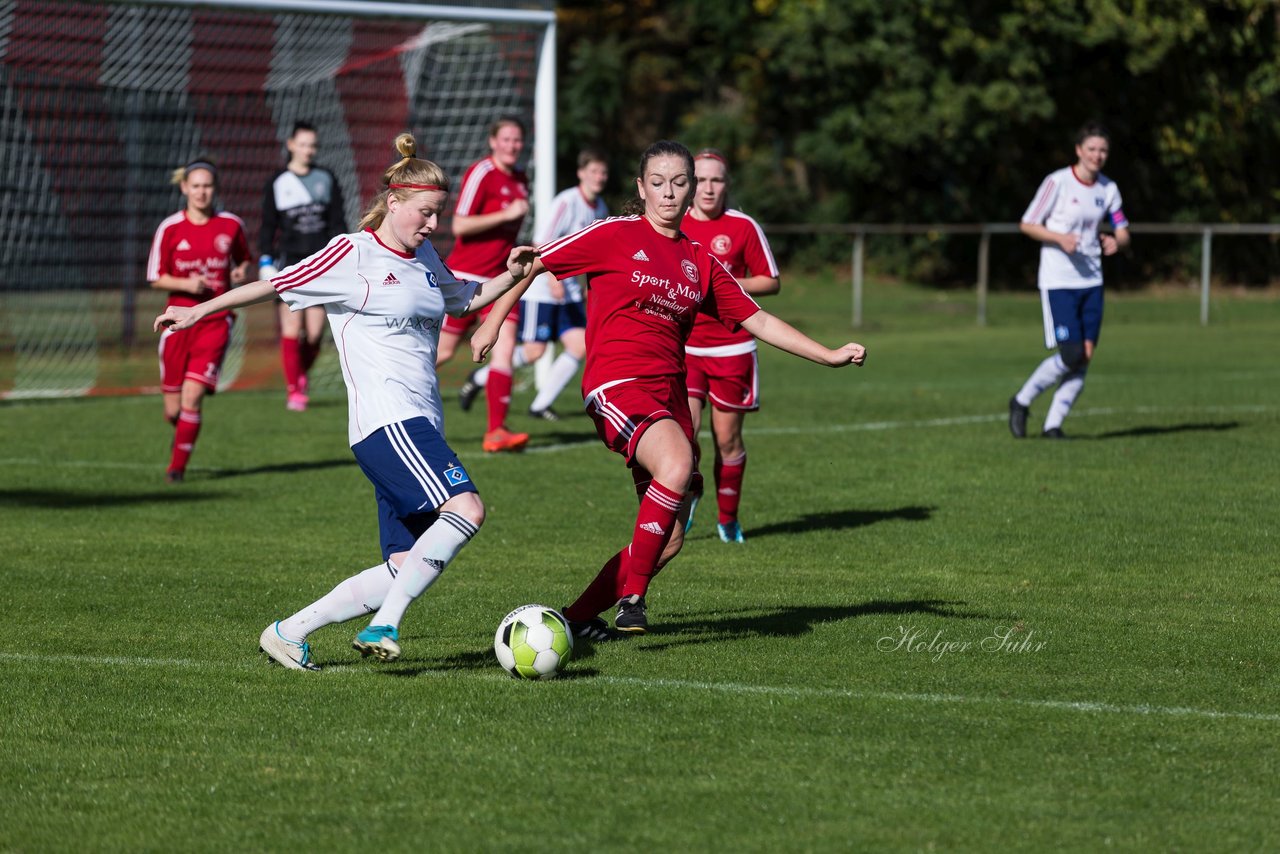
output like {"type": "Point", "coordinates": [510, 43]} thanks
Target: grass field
{"type": "Point", "coordinates": [935, 637]}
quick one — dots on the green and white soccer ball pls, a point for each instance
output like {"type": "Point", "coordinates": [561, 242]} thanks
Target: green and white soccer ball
{"type": "Point", "coordinates": [533, 642]}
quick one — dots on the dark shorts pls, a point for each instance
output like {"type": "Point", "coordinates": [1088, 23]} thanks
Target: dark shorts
{"type": "Point", "coordinates": [413, 472]}
{"type": "Point", "coordinates": [1071, 315]}
{"type": "Point", "coordinates": [547, 321]}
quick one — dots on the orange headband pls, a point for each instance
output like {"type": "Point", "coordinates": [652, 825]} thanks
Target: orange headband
{"type": "Point", "coordinates": [709, 155]}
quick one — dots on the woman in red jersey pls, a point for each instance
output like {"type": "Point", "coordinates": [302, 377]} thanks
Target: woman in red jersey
{"type": "Point", "coordinates": [647, 281]}
{"type": "Point", "coordinates": [721, 366]}
{"type": "Point", "coordinates": [197, 254]}
{"type": "Point", "coordinates": [492, 204]}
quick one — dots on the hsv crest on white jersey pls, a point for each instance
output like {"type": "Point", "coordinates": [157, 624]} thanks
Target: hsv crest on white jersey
{"type": "Point", "coordinates": [1067, 205]}
{"type": "Point", "coordinates": [385, 309]}
{"type": "Point", "coordinates": [570, 212]}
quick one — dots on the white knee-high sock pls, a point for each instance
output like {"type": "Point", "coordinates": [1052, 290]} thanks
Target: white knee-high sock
{"type": "Point", "coordinates": [562, 370]}
{"type": "Point", "coordinates": [423, 565]}
{"type": "Point", "coordinates": [1064, 397]}
{"type": "Point", "coordinates": [354, 597]}
{"type": "Point", "coordinates": [1045, 376]}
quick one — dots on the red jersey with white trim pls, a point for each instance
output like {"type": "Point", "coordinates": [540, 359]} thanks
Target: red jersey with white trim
{"type": "Point", "coordinates": [385, 309]}
{"type": "Point", "coordinates": [739, 243]}
{"type": "Point", "coordinates": [644, 291]}
{"type": "Point", "coordinates": [1067, 205]}
{"type": "Point", "coordinates": [181, 248]}
{"type": "Point", "coordinates": [487, 189]}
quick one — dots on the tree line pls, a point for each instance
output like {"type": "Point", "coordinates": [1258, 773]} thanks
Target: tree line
{"type": "Point", "coordinates": [944, 111]}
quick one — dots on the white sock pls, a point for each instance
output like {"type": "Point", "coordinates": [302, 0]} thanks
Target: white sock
{"type": "Point", "coordinates": [562, 370]}
{"type": "Point", "coordinates": [354, 597]}
{"type": "Point", "coordinates": [518, 358]}
{"type": "Point", "coordinates": [1063, 399]}
{"type": "Point", "coordinates": [1046, 376]}
{"type": "Point", "coordinates": [423, 565]}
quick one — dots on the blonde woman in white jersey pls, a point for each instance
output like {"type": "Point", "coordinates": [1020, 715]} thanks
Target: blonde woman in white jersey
{"type": "Point", "coordinates": [1064, 217]}
{"type": "Point", "coordinates": [386, 292]}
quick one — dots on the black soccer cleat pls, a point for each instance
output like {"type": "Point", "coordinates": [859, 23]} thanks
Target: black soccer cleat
{"type": "Point", "coordinates": [547, 414]}
{"type": "Point", "coordinates": [1018, 418]}
{"type": "Point", "coordinates": [595, 630]}
{"type": "Point", "coordinates": [632, 617]}
{"type": "Point", "coordinates": [467, 394]}
{"type": "Point", "coordinates": [1053, 433]}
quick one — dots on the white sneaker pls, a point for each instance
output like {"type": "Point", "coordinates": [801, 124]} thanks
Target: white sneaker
{"type": "Point", "coordinates": [292, 654]}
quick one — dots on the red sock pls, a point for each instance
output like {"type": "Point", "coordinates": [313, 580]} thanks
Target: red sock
{"type": "Point", "coordinates": [184, 439]}
{"type": "Point", "coordinates": [498, 395]}
{"type": "Point", "coordinates": [729, 486]}
{"type": "Point", "coordinates": [601, 593]}
{"type": "Point", "coordinates": [290, 358]}
{"type": "Point", "coordinates": [654, 524]}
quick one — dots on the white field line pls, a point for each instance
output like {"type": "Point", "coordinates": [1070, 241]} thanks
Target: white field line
{"type": "Point", "coordinates": [855, 427]}
{"type": "Point", "coordinates": [1084, 706]}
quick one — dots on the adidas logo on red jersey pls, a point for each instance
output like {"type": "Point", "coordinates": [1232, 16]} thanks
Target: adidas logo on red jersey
{"type": "Point", "coordinates": [390, 280]}
{"type": "Point", "coordinates": [183, 245]}
{"type": "Point", "coordinates": [640, 256]}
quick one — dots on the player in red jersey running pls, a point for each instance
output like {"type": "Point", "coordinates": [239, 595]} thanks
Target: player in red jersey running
{"type": "Point", "coordinates": [647, 281]}
{"type": "Point", "coordinates": [196, 254]}
{"type": "Point", "coordinates": [492, 204]}
{"type": "Point", "coordinates": [721, 363]}
{"type": "Point", "coordinates": [385, 291]}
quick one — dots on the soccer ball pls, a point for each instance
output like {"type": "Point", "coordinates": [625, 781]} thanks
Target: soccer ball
{"type": "Point", "coordinates": [533, 642]}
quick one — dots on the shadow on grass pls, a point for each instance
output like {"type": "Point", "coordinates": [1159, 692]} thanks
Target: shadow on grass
{"type": "Point", "coordinates": [483, 660]}
{"type": "Point", "coordinates": [53, 499]}
{"type": "Point", "coordinates": [1193, 427]}
{"type": "Point", "coordinates": [840, 520]}
{"type": "Point", "coordinates": [280, 468]}
{"type": "Point", "coordinates": [784, 622]}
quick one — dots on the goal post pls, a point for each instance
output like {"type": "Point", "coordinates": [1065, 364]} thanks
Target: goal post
{"type": "Point", "coordinates": [101, 99]}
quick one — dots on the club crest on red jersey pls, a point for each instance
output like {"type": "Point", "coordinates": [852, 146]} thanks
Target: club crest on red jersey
{"type": "Point", "coordinates": [721, 244]}
{"type": "Point", "coordinates": [222, 243]}
{"type": "Point", "coordinates": [690, 271]}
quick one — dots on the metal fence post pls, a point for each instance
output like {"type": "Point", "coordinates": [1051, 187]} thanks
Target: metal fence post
{"type": "Point", "coordinates": [1206, 264]}
{"type": "Point", "coordinates": [859, 244]}
{"type": "Point", "coordinates": [984, 267]}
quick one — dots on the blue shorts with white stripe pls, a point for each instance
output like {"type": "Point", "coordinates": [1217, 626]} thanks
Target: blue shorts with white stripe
{"type": "Point", "coordinates": [413, 471]}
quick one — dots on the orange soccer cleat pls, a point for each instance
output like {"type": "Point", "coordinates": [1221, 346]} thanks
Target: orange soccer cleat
{"type": "Point", "coordinates": [502, 439]}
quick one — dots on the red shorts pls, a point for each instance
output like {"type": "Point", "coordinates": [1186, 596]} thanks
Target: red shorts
{"type": "Point", "coordinates": [732, 382]}
{"type": "Point", "coordinates": [463, 325]}
{"type": "Point", "coordinates": [623, 412]}
{"type": "Point", "coordinates": [194, 354]}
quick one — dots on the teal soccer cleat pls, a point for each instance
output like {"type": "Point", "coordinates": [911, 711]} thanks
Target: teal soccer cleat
{"type": "Point", "coordinates": [731, 532]}
{"type": "Point", "coordinates": [379, 641]}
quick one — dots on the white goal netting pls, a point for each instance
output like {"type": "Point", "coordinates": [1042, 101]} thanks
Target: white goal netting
{"type": "Point", "coordinates": [99, 101]}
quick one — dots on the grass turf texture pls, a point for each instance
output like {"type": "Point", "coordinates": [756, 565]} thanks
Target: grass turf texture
{"type": "Point", "coordinates": [810, 690]}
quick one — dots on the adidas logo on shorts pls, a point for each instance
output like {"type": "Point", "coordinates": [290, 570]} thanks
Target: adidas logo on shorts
{"type": "Point", "coordinates": [640, 256]}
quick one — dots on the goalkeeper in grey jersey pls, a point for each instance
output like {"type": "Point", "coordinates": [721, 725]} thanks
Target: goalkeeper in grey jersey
{"type": "Point", "coordinates": [301, 210]}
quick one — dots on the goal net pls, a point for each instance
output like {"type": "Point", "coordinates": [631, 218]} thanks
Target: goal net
{"type": "Point", "coordinates": [99, 101]}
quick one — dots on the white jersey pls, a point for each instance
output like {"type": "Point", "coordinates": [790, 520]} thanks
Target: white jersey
{"type": "Point", "coordinates": [1067, 205]}
{"type": "Point", "coordinates": [569, 213]}
{"type": "Point", "coordinates": [385, 309]}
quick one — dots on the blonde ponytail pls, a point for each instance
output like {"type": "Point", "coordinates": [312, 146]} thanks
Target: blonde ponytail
{"type": "Point", "coordinates": [412, 172]}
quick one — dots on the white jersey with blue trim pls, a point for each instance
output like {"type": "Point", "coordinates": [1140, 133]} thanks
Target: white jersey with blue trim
{"type": "Point", "coordinates": [570, 213]}
{"type": "Point", "coordinates": [385, 309]}
{"type": "Point", "coordinates": [1067, 205]}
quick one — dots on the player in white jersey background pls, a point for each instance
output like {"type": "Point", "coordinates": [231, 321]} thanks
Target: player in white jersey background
{"type": "Point", "coordinates": [386, 292]}
{"type": "Point", "coordinates": [552, 310]}
{"type": "Point", "coordinates": [1064, 217]}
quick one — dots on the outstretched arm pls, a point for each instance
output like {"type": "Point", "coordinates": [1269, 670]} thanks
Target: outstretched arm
{"type": "Point", "coordinates": [483, 339]}
{"type": "Point", "coordinates": [787, 338]}
{"type": "Point", "coordinates": [183, 317]}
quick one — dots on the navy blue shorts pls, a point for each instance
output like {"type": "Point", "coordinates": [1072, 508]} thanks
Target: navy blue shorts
{"type": "Point", "coordinates": [1071, 314]}
{"type": "Point", "coordinates": [547, 321]}
{"type": "Point", "coordinates": [413, 472]}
